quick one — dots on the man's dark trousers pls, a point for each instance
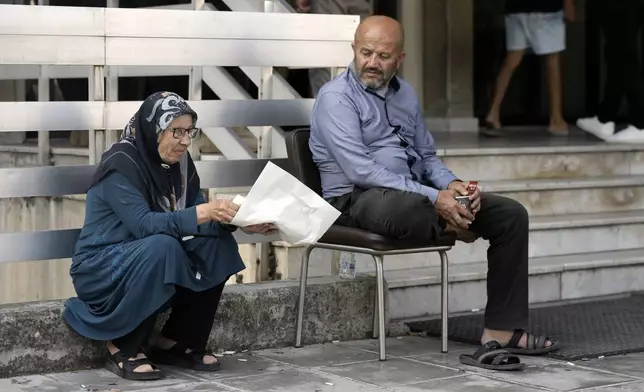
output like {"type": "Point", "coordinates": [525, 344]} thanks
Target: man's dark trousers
{"type": "Point", "coordinates": [503, 222]}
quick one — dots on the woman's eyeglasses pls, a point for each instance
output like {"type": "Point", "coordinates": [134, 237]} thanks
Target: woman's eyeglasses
{"type": "Point", "coordinates": [179, 133]}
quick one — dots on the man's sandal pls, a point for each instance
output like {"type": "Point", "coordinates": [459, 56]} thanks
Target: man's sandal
{"type": "Point", "coordinates": [177, 356]}
{"type": "Point", "coordinates": [535, 345]}
{"type": "Point", "coordinates": [492, 356]}
{"type": "Point", "coordinates": [123, 367]}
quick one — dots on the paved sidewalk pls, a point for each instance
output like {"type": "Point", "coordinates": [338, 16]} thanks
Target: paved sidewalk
{"type": "Point", "coordinates": [414, 364]}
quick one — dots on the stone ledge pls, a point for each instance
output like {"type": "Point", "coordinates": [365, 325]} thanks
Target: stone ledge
{"type": "Point", "coordinates": [36, 339]}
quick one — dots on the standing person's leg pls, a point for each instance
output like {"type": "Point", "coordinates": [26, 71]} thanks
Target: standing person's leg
{"type": "Point", "coordinates": [548, 39]}
{"type": "Point", "coordinates": [626, 52]}
{"type": "Point", "coordinates": [319, 76]}
{"type": "Point", "coordinates": [516, 43]}
{"type": "Point", "coordinates": [635, 90]}
{"type": "Point", "coordinates": [558, 125]}
{"type": "Point", "coordinates": [603, 125]}
{"type": "Point", "coordinates": [615, 58]}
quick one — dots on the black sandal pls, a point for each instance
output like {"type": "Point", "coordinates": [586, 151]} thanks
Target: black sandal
{"type": "Point", "coordinates": [177, 356]}
{"type": "Point", "coordinates": [535, 345]}
{"type": "Point", "coordinates": [492, 357]}
{"type": "Point", "coordinates": [127, 370]}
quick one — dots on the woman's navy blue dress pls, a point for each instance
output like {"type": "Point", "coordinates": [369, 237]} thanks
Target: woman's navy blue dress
{"type": "Point", "coordinates": [128, 259]}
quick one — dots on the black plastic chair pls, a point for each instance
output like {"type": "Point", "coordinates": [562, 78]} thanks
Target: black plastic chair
{"type": "Point", "coordinates": [354, 240]}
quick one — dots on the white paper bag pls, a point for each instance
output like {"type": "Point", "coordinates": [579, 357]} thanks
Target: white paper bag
{"type": "Point", "coordinates": [301, 215]}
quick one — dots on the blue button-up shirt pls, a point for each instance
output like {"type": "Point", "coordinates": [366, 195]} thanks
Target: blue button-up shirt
{"type": "Point", "coordinates": [364, 138]}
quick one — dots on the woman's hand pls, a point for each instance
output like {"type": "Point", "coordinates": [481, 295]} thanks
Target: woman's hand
{"type": "Point", "coordinates": [263, 228]}
{"type": "Point", "coordinates": [222, 210]}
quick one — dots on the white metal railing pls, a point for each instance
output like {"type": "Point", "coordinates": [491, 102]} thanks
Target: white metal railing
{"type": "Point", "coordinates": [271, 143]}
{"type": "Point", "coordinates": [108, 42]}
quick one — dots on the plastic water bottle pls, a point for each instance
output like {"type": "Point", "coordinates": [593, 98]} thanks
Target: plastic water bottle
{"type": "Point", "coordinates": [347, 265]}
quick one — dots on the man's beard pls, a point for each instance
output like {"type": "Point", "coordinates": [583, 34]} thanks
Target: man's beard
{"type": "Point", "coordinates": [378, 78]}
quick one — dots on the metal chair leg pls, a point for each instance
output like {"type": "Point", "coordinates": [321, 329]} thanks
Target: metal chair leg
{"type": "Point", "coordinates": [444, 299]}
{"type": "Point", "coordinates": [376, 318]}
{"type": "Point", "coordinates": [380, 299]}
{"type": "Point", "coordinates": [300, 307]}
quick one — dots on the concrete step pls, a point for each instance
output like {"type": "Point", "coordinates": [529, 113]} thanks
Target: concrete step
{"type": "Point", "coordinates": [416, 292]}
{"type": "Point", "coordinates": [568, 161]}
{"type": "Point", "coordinates": [573, 195]}
{"type": "Point", "coordinates": [549, 236]}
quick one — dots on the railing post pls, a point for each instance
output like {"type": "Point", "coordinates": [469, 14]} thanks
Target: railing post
{"type": "Point", "coordinates": [195, 81]}
{"type": "Point", "coordinates": [264, 152]}
{"type": "Point", "coordinates": [44, 150]}
{"type": "Point", "coordinates": [96, 93]}
{"type": "Point", "coordinates": [112, 88]}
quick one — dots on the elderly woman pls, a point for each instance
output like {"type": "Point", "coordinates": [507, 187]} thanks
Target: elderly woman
{"type": "Point", "coordinates": [150, 242]}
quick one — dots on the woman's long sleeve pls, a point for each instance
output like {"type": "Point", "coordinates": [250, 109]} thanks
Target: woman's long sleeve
{"type": "Point", "coordinates": [135, 213]}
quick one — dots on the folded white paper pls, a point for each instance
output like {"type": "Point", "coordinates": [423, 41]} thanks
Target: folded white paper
{"type": "Point", "coordinates": [300, 215]}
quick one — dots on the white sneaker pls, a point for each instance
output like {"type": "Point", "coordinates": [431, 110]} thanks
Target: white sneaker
{"type": "Point", "coordinates": [628, 135]}
{"type": "Point", "coordinates": [593, 126]}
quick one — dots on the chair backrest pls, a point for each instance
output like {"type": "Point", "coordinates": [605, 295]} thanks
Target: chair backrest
{"type": "Point", "coordinates": [301, 159]}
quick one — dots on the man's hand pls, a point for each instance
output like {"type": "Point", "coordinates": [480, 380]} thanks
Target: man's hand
{"type": "Point", "coordinates": [303, 6]}
{"type": "Point", "coordinates": [450, 210]}
{"type": "Point", "coordinates": [570, 14]}
{"type": "Point", "coordinates": [263, 228]}
{"type": "Point", "coordinates": [461, 190]}
{"type": "Point", "coordinates": [458, 187]}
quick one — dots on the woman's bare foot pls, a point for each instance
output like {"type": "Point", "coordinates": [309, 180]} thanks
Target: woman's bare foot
{"type": "Point", "coordinates": [166, 344]}
{"type": "Point", "coordinates": [140, 369]}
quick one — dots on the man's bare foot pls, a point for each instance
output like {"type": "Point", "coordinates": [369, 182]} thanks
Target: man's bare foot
{"type": "Point", "coordinates": [493, 122]}
{"type": "Point", "coordinates": [462, 234]}
{"type": "Point", "coordinates": [166, 344]}
{"type": "Point", "coordinates": [558, 127]}
{"type": "Point", "coordinates": [503, 337]}
{"type": "Point", "coordinates": [140, 369]}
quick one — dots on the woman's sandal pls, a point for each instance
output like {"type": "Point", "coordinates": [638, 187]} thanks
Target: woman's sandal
{"type": "Point", "coordinates": [177, 356]}
{"type": "Point", "coordinates": [492, 356]}
{"type": "Point", "coordinates": [535, 345]}
{"type": "Point", "coordinates": [126, 368]}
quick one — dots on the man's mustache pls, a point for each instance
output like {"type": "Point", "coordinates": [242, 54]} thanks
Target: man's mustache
{"type": "Point", "coordinates": [372, 70]}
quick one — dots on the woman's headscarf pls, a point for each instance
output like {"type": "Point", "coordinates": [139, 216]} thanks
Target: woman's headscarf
{"type": "Point", "coordinates": [136, 155]}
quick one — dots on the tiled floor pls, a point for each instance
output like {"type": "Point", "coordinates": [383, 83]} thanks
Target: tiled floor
{"type": "Point", "coordinates": [414, 364]}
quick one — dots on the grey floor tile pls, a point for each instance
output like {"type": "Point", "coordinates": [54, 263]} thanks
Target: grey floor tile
{"type": "Point", "coordinates": [631, 364]}
{"type": "Point", "coordinates": [191, 387]}
{"type": "Point", "coordinates": [637, 386]}
{"type": "Point", "coordinates": [394, 371]}
{"type": "Point", "coordinates": [555, 375]}
{"type": "Point", "coordinates": [240, 365]}
{"type": "Point", "coordinates": [319, 355]}
{"type": "Point", "coordinates": [450, 360]}
{"type": "Point", "coordinates": [408, 345]}
{"type": "Point", "coordinates": [300, 380]}
{"type": "Point", "coordinates": [33, 384]}
{"type": "Point", "coordinates": [104, 380]}
{"type": "Point", "coordinates": [468, 383]}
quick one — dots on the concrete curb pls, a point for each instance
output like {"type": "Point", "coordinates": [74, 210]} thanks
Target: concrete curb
{"type": "Point", "coordinates": [34, 338]}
